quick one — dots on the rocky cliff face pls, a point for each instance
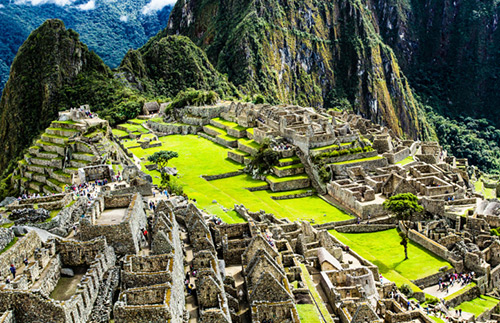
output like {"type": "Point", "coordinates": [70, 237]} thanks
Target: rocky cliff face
{"type": "Point", "coordinates": [305, 52]}
{"type": "Point", "coordinates": [449, 49]}
{"type": "Point", "coordinates": [51, 58]}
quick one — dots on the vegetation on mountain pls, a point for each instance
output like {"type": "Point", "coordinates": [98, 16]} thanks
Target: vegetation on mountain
{"type": "Point", "coordinates": [310, 53]}
{"type": "Point", "coordinates": [165, 66]}
{"type": "Point", "coordinates": [110, 29]}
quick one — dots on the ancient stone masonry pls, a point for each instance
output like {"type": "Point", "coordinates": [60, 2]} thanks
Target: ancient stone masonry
{"type": "Point", "coordinates": [76, 141]}
{"type": "Point", "coordinates": [119, 218]}
{"type": "Point", "coordinates": [31, 291]}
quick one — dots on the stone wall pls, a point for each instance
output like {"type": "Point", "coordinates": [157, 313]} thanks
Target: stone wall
{"type": "Point", "coordinates": [433, 279]}
{"type": "Point", "coordinates": [52, 202]}
{"type": "Point", "coordinates": [25, 246]}
{"type": "Point", "coordinates": [125, 237]}
{"type": "Point", "coordinates": [6, 236]}
{"type": "Point", "coordinates": [220, 176]}
{"type": "Point", "coordinates": [173, 129]}
{"type": "Point", "coordinates": [7, 317]}
{"type": "Point", "coordinates": [341, 169]}
{"type": "Point", "coordinates": [364, 228]}
{"type": "Point", "coordinates": [464, 297]}
{"type": "Point", "coordinates": [394, 158]}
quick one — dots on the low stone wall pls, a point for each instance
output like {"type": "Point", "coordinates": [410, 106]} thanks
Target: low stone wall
{"type": "Point", "coordinates": [289, 185]}
{"type": "Point", "coordinates": [220, 176]}
{"type": "Point", "coordinates": [488, 314]}
{"type": "Point", "coordinates": [472, 293]}
{"type": "Point", "coordinates": [364, 228]}
{"type": "Point", "coordinates": [236, 157]}
{"type": "Point", "coordinates": [293, 196]}
{"type": "Point", "coordinates": [341, 169]}
{"type": "Point", "coordinates": [15, 255]}
{"type": "Point", "coordinates": [63, 222]}
{"type": "Point", "coordinates": [432, 279]}
{"type": "Point", "coordinates": [288, 171]}
{"type": "Point", "coordinates": [49, 203]}
{"type": "Point", "coordinates": [348, 157]}
{"type": "Point", "coordinates": [428, 244]}
{"type": "Point", "coordinates": [173, 129]}
{"type": "Point", "coordinates": [394, 158]}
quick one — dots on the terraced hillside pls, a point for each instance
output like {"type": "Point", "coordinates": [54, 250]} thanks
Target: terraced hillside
{"type": "Point", "coordinates": [52, 162]}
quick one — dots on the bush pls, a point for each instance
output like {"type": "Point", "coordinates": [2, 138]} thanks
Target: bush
{"type": "Point", "coordinates": [174, 187]}
{"type": "Point", "coordinates": [343, 152]}
{"type": "Point", "coordinates": [367, 148]}
{"type": "Point", "coordinates": [324, 175]}
{"type": "Point", "coordinates": [259, 99]}
{"type": "Point", "coordinates": [406, 290]}
{"type": "Point", "coordinates": [431, 300]}
{"type": "Point", "coordinates": [193, 97]}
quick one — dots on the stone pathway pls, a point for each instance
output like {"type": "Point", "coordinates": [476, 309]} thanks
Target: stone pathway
{"type": "Point", "coordinates": [433, 290]}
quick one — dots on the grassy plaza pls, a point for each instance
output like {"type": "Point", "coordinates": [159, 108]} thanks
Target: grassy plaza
{"type": "Point", "coordinates": [383, 250]}
{"type": "Point", "coordinates": [199, 156]}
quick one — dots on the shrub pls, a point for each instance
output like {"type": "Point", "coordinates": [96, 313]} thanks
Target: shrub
{"type": "Point", "coordinates": [431, 300]}
{"type": "Point", "coordinates": [406, 290]}
{"type": "Point", "coordinates": [174, 187]}
{"type": "Point", "coordinates": [324, 175]}
{"type": "Point", "coordinates": [193, 97]}
{"type": "Point", "coordinates": [343, 152]}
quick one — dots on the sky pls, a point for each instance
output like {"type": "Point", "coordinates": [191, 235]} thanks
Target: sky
{"type": "Point", "coordinates": [151, 7]}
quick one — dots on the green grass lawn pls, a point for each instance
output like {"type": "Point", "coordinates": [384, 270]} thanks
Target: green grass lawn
{"type": "Point", "coordinates": [384, 251]}
{"type": "Point", "coordinates": [199, 156]}
{"type": "Point", "coordinates": [405, 161]}
{"type": "Point", "coordinates": [479, 305]}
{"type": "Point", "coordinates": [314, 294]}
{"type": "Point", "coordinates": [229, 124]}
{"type": "Point", "coordinates": [137, 121]}
{"type": "Point", "coordinates": [488, 193]}
{"type": "Point", "coordinates": [308, 313]}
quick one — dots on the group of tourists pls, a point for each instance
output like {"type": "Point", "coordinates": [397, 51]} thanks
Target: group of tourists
{"type": "Point", "coordinates": [281, 147]}
{"type": "Point", "coordinates": [31, 196]}
{"type": "Point", "coordinates": [450, 279]}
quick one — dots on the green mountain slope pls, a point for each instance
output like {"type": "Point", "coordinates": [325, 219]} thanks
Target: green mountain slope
{"type": "Point", "coordinates": [306, 52]}
{"type": "Point", "coordinates": [110, 29]}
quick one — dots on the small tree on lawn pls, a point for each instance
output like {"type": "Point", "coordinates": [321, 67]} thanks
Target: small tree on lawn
{"type": "Point", "coordinates": [161, 158]}
{"type": "Point", "coordinates": [404, 205]}
{"type": "Point", "coordinates": [404, 243]}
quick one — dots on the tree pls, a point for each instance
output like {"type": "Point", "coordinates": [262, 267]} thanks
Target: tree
{"type": "Point", "coordinates": [161, 158]}
{"type": "Point", "coordinates": [404, 205]}
{"type": "Point", "coordinates": [404, 243]}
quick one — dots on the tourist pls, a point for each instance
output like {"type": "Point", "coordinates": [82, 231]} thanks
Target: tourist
{"type": "Point", "coordinates": [25, 261]}
{"type": "Point", "coordinates": [7, 281]}
{"type": "Point", "coordinates": [13, 270]}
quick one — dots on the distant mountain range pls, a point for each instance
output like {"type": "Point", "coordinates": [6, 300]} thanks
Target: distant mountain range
{"type": "Point", "coordinates": [108, 27]}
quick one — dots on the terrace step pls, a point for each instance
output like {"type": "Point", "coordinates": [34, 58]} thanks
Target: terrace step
{"type": "Point", "coordinates": [62, 177]}
{"type": "Point", "coordinates": [37, 177]}
{"type": "Point", "coordinates": [54, 139]}
{"type": "Point", "coordinates": [291, 170]}
{"type": "Point", "coordinates": [71, 170]}
{"type": "Point", "coordinates": [37, 186]}
{"type": "Point", "coordinates": [49, 190]}
{"type": "Point", "coordinates": [288, 183]}
{"type": "Point", "coordinates": [78, 163]}
{"type": "Point", "coordinates": [38, 168]}
{"type": "Point", "coordinates": [50, 146]}
{"type": "Point", "coordinates": [51, 162]}
{"type": "Point", "coordinates": [232, 128]}
{"type": "Point", "coordinates": [67, 125]}
{"type": "Point", "coordinates": [62, 132]}
{"type": "Point", "coordinates": [237, 155]}
{"type": "Point", "coordinates": [46, 154]}
{"type": "Point", "coordinates": [55, 184]}
{"type": "Point", "coordinates": [84, 156]}
{"type": "Point", "coordinates": [248, 146]}
{"type": "Point", "coordinates": [289, 161]}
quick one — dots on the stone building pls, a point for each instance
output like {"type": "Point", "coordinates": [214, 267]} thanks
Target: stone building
{"type": "Point", "coordinates": [120, 218]}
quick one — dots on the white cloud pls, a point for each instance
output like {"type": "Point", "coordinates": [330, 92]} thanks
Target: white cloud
{"type": "Point", "coordinates": [87, 6]}
{"type": "Point", "coordinates": [1, 6]}
{"type": "Point", "coordinates": [156, 5]}
{"type": "Point", "coordinates": [124, 18]}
